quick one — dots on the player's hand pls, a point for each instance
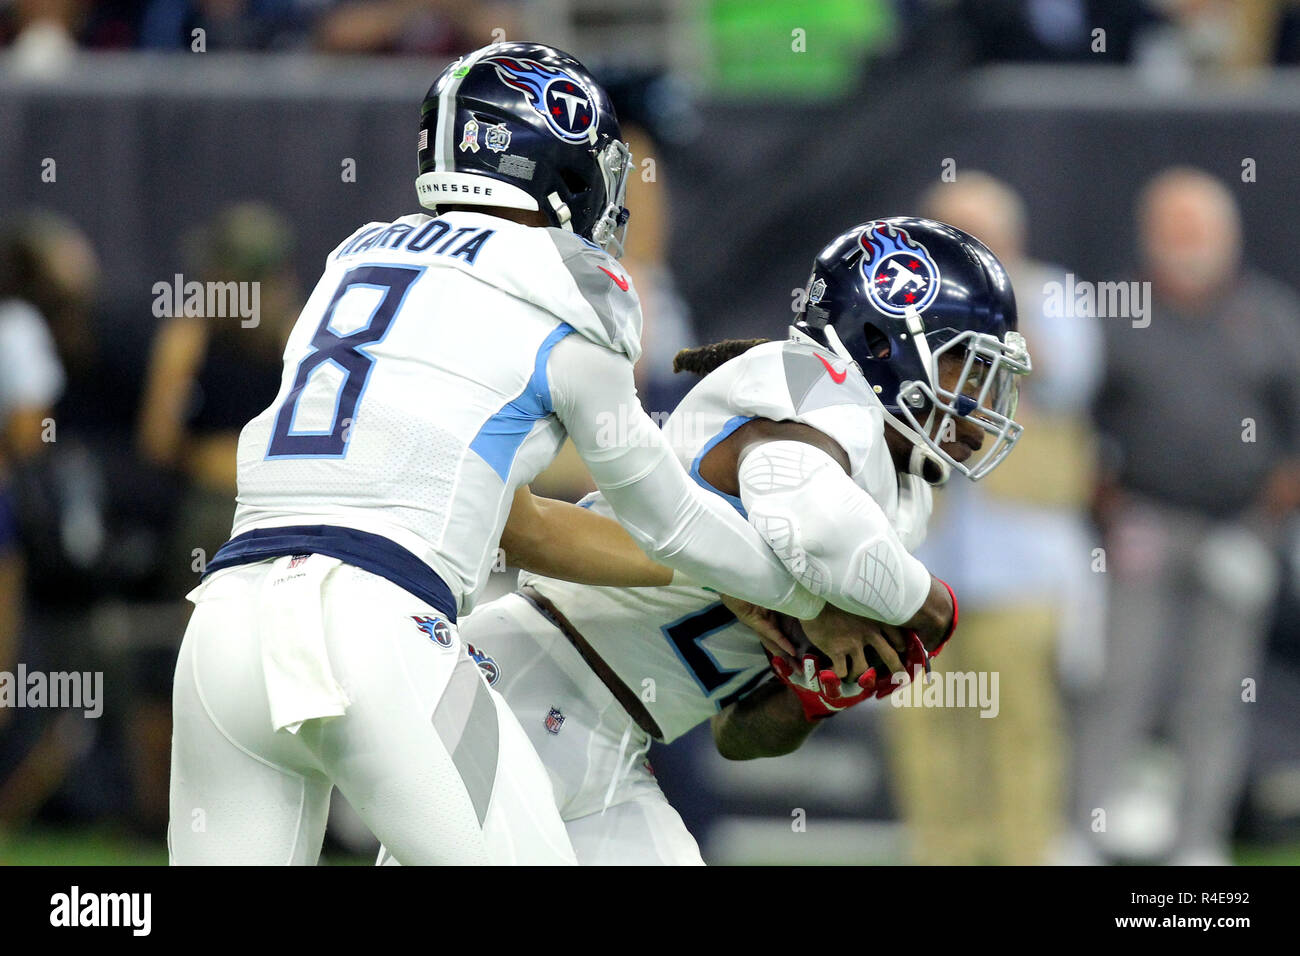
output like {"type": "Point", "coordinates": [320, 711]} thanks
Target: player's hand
{"type": "Point", "coordinates": [763, 622]}
{"type": "Point", "coordinates": [844, 637]}
{"type": "Point", "coordinates": [918, 665]}
{"type": "Point", "coordinates": [820, 692]}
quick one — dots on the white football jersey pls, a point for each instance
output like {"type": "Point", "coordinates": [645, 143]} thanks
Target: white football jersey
{"type": "Point", "coordinates": [678, 648]}
{"type": "Point", "coordinates": [415, 400]}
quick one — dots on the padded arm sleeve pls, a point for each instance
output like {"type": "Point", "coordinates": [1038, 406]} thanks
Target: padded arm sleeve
{"type": "Point", "coordinates": [673, 519]}
{"type": "Point", "coordinates": [832, 535]}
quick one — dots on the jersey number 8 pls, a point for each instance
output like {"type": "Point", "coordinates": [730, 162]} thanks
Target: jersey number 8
{"type": "Point", "coordinates": [347, 353]}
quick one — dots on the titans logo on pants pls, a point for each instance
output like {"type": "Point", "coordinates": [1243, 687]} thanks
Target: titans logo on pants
{"type": "Point", "coordinates": [568, 107]}
{"type": "Point", "coordinates": [486, 663]}
{"type": "Point", "coordinates": [900, 273]}
{"type": "Point", "coordinates": [438, 630]}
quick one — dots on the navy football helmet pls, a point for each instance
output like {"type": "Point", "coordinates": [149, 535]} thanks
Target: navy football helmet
{"type": "Point", "coordinates": [897, 295]}
{"type": "Point", "coordinates": [525, 126]}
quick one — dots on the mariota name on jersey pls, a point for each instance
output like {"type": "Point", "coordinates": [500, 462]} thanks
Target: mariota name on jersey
{"type": "Point", "coordinates": [399, 235]}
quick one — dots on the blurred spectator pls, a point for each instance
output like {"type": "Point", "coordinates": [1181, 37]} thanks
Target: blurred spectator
{"type": "Point", "coordinates": [1016, 549]}
{"type": "Point", "coordinates": [47, 271]}
{"type": "Point", "coordinates": [1058, 30]}
{"type": "Point", "coordinates": [426, 27]}
{"type": "Point", "coordinates": [208, 376]}
{"type": "Point", "coordinates": [48, 277]}
{"type": "Point", "coordinates": [1215, 36]}
{"type": "Point", "coordinates": [31, 379]}
{"type": "Point", "coordinates": [45, 31]}
{"type": "Point", "coordinates": [1203, 409]}
{"type": "Point", "coordinates": [226, 24]}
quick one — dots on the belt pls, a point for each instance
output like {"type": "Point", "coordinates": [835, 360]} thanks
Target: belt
{"type": "Point", "coordinates": [370, 552]}
{"type": "Point", "coordinates": [622, 693]}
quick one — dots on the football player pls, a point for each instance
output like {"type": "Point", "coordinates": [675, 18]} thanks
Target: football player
{"type": "Point", "coordinates": [902, 368]}
{"type": "Point", "coordinates": [433, 372]}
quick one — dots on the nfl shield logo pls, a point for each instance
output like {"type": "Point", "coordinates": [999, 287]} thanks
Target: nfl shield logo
{"type": "Point", "coordinates": [469, 137]}
{"type": "Point", "coordinates": [554, 720]}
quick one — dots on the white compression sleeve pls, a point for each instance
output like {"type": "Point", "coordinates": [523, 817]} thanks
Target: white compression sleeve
{"type": "Point", "coordinates": [832, 535]}
{"type": "Point", "coordinates": [673, 519]}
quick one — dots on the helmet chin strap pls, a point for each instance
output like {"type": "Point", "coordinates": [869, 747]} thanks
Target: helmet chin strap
{"type": "Point", "coordinates": [938, 470]}
{"type": "Point", "coordinates": [837, 346]}
{"type": "Point", "coordinates": [922, 461]}
{"type": "Point", "coordinates": [917, 329]}
{"type": "Point", "coordinates": [561, 212]}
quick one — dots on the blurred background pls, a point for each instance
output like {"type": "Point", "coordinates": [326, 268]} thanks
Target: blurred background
{"type": "Point", "coordinates": [1132, 572]}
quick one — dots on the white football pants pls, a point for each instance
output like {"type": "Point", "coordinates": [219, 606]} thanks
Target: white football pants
{"type": "Point", "coordinates": [611, 804]}
{"type": "Point", "coordinates": [388, 708]}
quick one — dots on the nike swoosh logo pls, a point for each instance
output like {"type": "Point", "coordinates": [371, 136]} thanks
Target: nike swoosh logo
{"type": "Point", "coordinates": [836, 377]}
{"type": "Point", "coordinates": [618, 280]}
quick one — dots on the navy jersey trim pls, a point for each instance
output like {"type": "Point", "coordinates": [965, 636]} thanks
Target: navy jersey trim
{"type": "Point", "coordinates": [361, 549]}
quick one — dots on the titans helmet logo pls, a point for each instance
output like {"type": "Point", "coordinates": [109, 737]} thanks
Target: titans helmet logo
{"type": "Point", "coordinates": [569, 109]}
{"type": "Point", "coordinates": [900, 273]}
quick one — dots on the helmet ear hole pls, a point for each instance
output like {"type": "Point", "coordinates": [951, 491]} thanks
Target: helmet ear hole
{"type": "Point", "coordinates": [573, 181]}
{"type": "Point", "coordinates": [877, 341]}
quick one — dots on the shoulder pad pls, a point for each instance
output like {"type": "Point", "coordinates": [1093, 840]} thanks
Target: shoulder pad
{"type": "Point", "coordinates": [817, 378]}
{"type": "Point", "coordinates": [792, 381]}
{"type": "Point", "coordinates": [601, 298]}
